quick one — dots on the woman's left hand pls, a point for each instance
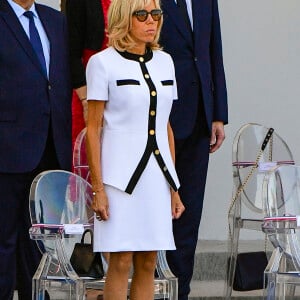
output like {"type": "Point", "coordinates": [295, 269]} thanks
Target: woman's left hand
{"type": "Point", "coordinates": [177, 205]}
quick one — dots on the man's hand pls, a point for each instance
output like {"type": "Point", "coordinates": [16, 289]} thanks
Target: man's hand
{"type": "Point", "coordinates": [217, 136]}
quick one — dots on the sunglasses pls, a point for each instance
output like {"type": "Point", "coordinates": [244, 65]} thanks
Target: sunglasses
{"type": "Point", "coordinates": [142, 15]}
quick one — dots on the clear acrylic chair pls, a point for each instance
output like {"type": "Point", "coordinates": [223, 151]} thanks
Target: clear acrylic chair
{"type": "Point", "coordinates": [60, 210]}
{"type": "Point", "coordinates": [80, 163]}
{"type": "Point", "coordinates": [165, 283]}
{"type": "Point", "coordinates": [281, 191]}
{"type": "Point", "coordinates": [249, 162]}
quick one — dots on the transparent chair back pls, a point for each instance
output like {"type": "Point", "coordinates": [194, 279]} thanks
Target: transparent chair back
{"type": "Point", "coordinates": [281, 193]}
{"type": "Point", "coordinates": [80, 163]}
{"type": "Point", "coordinates": [256, 149]}
{"type": "Point", "coordinates": [59, 209]}
{"type": "Point", "coordinates": [165, 284]}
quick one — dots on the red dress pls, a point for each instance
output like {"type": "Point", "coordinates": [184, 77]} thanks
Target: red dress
{"type": "Point", "coordinates": [77, 112]}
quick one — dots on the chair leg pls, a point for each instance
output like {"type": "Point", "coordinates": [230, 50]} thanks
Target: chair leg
{"type": "Point", "coordinates": [38, 285]}
{"type": "Point", "coordinates": [232, 250]}
{"type": "Point", "coordinates": [80, 290]}
{"type": "Point", "coordinates": [270, 290]}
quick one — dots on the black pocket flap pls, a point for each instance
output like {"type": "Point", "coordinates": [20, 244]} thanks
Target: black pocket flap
{"type": "Point", "coordinates": [127, 82]}
{"type": "Point", "coordinates": [167, 82]}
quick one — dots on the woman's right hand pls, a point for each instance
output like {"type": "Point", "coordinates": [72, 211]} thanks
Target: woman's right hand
{"type": "Point", "coordinates": [100, 205]}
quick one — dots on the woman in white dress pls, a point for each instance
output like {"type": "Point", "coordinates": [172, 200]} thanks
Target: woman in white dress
{"type": "Point", "coordinates": [130, 89]}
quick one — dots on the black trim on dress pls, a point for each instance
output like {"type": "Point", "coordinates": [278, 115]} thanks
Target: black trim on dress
{"type": "Point", "coordinates": [151, 146]}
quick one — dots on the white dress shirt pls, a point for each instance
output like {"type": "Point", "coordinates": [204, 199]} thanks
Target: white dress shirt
{"type": "Point", "coordinates": [19, 11]}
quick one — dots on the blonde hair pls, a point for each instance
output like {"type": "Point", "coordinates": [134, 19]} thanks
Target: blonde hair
{"type": "Point", "coordinates": [120, 23]}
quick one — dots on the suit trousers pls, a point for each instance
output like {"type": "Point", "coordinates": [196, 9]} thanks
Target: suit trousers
{"type": "Point", "coordinates": [19, 255]}
{"type": "Point", "coordinates": [192, 156]}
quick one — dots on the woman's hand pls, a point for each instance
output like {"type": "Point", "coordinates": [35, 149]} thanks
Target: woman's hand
{"type": "Point", "coordinates": [177, 206]}
{"type": "Point", "coordinates": [100, 205]}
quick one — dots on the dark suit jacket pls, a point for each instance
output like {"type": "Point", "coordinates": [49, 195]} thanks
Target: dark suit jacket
{"type": "Point", "coordinates": [29, 100]}
{"type": "Point", "coordinates": [86, 23]}
{"type": "Point", "coordinates": [198, 64]}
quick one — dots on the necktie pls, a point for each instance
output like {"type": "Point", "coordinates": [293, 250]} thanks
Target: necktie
{"type": "Point", "coordinates": [181, 4]}
{"type": "Point", "coordinates": [35, 40]}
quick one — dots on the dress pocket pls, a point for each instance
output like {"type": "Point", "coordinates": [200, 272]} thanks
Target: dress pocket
{"type": "Point", "coordinates": [167, 82]}
{"type": "Point", "coordinates": [127, 82]}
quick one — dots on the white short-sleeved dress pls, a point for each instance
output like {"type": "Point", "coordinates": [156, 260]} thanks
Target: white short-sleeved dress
{"type": "Point", "coordinates": [137, 166]}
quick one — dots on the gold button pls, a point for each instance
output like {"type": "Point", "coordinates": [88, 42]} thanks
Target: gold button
{"type": "Point", "coordinates": [141, 59]}
{"type": "Point", "coordinates": [165, 168]}
{"type": "Point", "coordinates": [152, 113]}
{"type": "Point", "coordinates": [156, 152]}
{"type": "Point", "coordinates": [153, 93]}
{"type": "Point", "coordinates": [147, 76]}
{"type": "Point", "coordinates": [152, 132]}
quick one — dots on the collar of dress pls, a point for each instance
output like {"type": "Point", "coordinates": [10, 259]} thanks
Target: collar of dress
{"type": "Point", "coordinates": [136, 57]}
